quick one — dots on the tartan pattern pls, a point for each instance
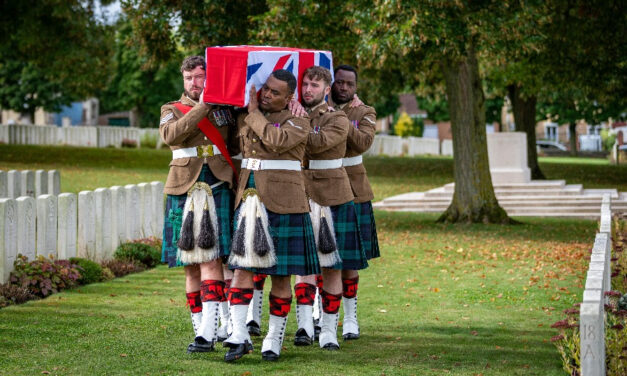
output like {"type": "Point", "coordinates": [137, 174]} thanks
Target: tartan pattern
{"type": "Point", "coordinates": [368, 229]}
{"type": "Point", "coordinates": [347, 237]}
{"type": "Point", "coordinates": [223, 198]}
{"type": "Point", "coordinates": [294, 243]}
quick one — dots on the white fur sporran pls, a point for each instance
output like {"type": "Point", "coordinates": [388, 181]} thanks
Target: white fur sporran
{"type": "Point", "coordinates": [317, 213]}
{"type": "Point", "coordinates": [199, 197]}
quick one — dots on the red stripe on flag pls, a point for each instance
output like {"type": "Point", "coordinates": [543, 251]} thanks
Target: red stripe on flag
{"type": "Point", "coordinates": [305, 60]}
{"type": "Point", "coordinates": [281, 63]}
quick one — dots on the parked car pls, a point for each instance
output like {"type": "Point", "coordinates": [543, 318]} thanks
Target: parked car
{"type": "Point", "coordinates": [549, 146]}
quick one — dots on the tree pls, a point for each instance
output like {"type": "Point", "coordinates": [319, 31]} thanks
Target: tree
{"type": "Point", "coordinates": [52, 53]}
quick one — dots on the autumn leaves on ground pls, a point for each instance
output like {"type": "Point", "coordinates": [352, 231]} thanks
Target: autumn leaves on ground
{"type": "Point", "coordinates": [443, 299]}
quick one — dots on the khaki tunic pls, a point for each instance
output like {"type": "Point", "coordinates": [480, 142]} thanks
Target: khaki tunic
{"type": "Point", "coordinates": [181, 131]}
{"type": "Point", "coordinates": [274, 136]}
{"type": "Point", "coordinates": [327, 140]}
{"type": "Point", "coordinates": [360, 138]}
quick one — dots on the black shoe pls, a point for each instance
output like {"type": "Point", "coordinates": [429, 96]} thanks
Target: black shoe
{"type": "Point", "coordinates": [350, 336]}
{"type": "Point", "coordinates": [200, 345]}
{"type": "Point", "coordinates": [301, 338]}
{"type": "Point", "coordinates": [331, 347]}
{"type": "Point", "coordinates": [253, 328]}
{"type": "Point", "coordinates": [269, 356]}
{"type": "Point", "coordinates": [236, 351]}
{"type": "Point", "coordinates": [317, 331]}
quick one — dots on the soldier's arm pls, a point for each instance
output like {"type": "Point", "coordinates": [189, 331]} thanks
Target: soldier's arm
{"type": "Point", "coordinates": [172, 130]}
{"type": "Point", "coordinates": [361, 138]}
{"type": "Point", "coordinates": [291, 133]}
{"type": "Point", "coordinates": [332, 134]}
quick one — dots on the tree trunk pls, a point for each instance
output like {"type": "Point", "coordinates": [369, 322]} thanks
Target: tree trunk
{"type": "Point", "coordinates": [474, 199]}
{"type": "Point", "coordinates": [572, 127]}
{"type": "Point", "coordinates": [525, 119]}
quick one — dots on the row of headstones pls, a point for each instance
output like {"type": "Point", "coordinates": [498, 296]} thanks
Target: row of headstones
{"type": "Point", "coordinates": [100, 136]}
{"type": "Point", "coordinates": [592, 310]}
{"type": "Point", "coordinates": [16, 183]}
{"type": "Point", "coordinates": [90, 225]}
{"type": "Point", "coordinates": [410, 146]}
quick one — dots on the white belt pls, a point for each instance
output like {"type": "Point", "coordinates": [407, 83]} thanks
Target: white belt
{"type": "Point", "coordinates": [196, 151]}
{"type": "Point", "coordinates": [325, 164]}
{"type": "Point", "coordinates": [352, 161]}
{"type": "Point", "coordinates": [270, 164]}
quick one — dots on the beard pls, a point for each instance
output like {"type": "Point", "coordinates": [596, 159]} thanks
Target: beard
{"type": "Point", "coordinates": [191, 96]}
{"type": "Point", "coordinates": [337, 99]}
{"type": "Point", "coordinates": [313, 102]}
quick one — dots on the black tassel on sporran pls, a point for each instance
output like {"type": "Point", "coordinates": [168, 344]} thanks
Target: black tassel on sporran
{"type": "Point", "coordinates": [260, 242]}
{"type": "Point", "coordinates": [207, 237]}
{"type": "Point", "coordinates": [239, 242]}
{"type": "Point", "coordinates": [186, 240]}
{"type": "Point", "coordinates": [326, 243]}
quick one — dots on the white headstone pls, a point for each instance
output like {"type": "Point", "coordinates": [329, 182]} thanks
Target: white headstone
{"type": "Point", "coordinates": [86, 225]}
{"type": "Point", "coordinates": [67, 226]}
{"type": "Point", "coordinates": [447, 147]}
{"type": "Point", "coordinates": [118, 216]}
{"type": "Point", "coordinates": [28, 183]}
{"type": "Point", "coordinates": [592, 338]}
{"type": "Point", "coordinates": [41, 183]}
{"type": "Point", "coordinates": [133, 214]}
{"type": "Point", "coordinates": [146, 202]}
{"type": "Point", "coordinates": [4, 189]}
{"type": "Point", "coordinates": [47, 226]}
{"type": "Point", "coordinates": [8, 237]}
{"type": "Point", "coordinates": [54, 182]}
{"type": "Point", "coordinates": [507, 152]}
{"type": "Point", "coordinates": [14, 184]}
{"type": "Point", "coordinates": [102, 198]}
{"type": "Point", "coordinates": [158, 208]}
{"type": "Point", "coordinates": [26, 227]}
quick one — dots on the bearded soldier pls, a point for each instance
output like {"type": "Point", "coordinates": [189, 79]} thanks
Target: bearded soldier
{"type": "Point", "coordinates": [273, 233]}
{"type": "Point", "coordinates": [197, 227]}
{"type": "Point", "coordinates": [360, 137]}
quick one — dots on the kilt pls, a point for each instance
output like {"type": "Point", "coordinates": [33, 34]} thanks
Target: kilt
{"type": "Point", "coordinates": [368, 229]}
{"type": "Point", "coordinates": [347, 237]}
{"type": "Point", "coordinates": [294, 243]}
{"type": "Point", "coordinates": [223, 198]}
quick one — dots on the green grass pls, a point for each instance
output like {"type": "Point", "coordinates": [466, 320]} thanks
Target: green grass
{"type": "Point", "coordinates": [443, 299]}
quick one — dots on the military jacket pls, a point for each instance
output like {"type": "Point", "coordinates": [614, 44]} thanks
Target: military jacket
{"type": "Point", "coordinates": [360, 138]}
{"type": "Point", "coordinates": [327, 140]}
{"type": "Point", "coordinates": [274, 136]}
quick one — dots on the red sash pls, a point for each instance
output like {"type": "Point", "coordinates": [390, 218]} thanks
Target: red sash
{"type": "Point", "coordinates": [212, 134]}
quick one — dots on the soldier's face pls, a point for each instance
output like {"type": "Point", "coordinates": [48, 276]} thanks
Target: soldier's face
{"type": "Point", "coordinates": [275, 95]}
{"type": "Point", "coordinates": [344, 86]}
{"type": "Point", "coordinates": [194, 82]}
{"type": "Point", "coordinates": [313, 91]}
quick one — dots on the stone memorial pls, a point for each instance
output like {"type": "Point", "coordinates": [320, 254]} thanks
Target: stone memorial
{"type": "Point", "coordinates": [8, 237]}
{"type": "Point", "coordinates": [41, 183]}
{"type": "Point", "coordinates": [47, 226]}
{"type": "Point", "coordinates": [146, 203]}
{"type": "Point", "coordinates": [86, 245]}
{"type": "Point", "coordinates": [4, 191]}
{"type": "Point", "coordinates": [14, 184]}
{"type": "Point", "coordinates": [133, 214]}
{"type": "Point", "coordinates": [507, 153]}
{"type": "Point", "coordinates": [28, 183]}
{"type": "Point", "coordinates": [158, 208]}
{"type": "Point", "coordinates": [118, 216]}
{"type": "Point", "coordinates": [54, 182]}
{"type": "Point", "coordinates": [67, 226]}
{"type": "Point", "coordinates": [102, 199]}
{"type": "Point", "coordinates": [27, 227]}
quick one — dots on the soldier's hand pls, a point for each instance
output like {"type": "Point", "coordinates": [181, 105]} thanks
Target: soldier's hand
{"type": "Point", "coordinates": [296, 108]}
{"type": "Point", "coordinates": [202, 101]}
{"type": "Point", "coordinates": [253, 103]}
{"type": "Point", "coordinates": [356, 101]}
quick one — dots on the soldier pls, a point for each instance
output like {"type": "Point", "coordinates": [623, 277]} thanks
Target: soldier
{"type": "Point", "coordinates": [359, 140]}
{"type": "Point", "coordinates": [273, 232]}
{"type": "Point", "coordinates": [197, 227]}
{"type": "Point", "coordinates": [332, 211]}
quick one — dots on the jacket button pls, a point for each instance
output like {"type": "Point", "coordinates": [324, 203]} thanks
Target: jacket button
{"type": "Point", "coordinates": [254, 140]}
{"type": "Point", "coordinates": [254, 152]}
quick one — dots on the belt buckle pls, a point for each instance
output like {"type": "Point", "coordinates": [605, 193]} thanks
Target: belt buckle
{"type": "Point", "coordinates": [204, 151]}
{"type": "Point", "coordinates": [253, 164]}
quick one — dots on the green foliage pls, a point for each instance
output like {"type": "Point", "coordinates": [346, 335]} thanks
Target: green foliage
{"type": "Point", "coordinates": [404, 127]}
{"type": "Point", "coordinates": [107, 274]}
{"type": "Point", "coordinates": [607, 140]}
{"type": "Point", "coordinates": [436, 107]}
{"type": "Point", "coordinates": [13, 294]}
{"type": "Point", "coordinates": [149, 140]}
{"type": "Point", "coordinates": [146, 254]}
{"type": "Point", "coordinates": [43, 276]}
{"type": "Point", "coordinates": [120, 268]}
{"type": "Point", "coordinates": [91, 272]}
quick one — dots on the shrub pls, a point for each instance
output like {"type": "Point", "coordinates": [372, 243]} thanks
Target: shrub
{"type": "Point", "coordinates": [12, 294]}
{"type": "Point", "coordinates": [406, 126]}
{"type": "Point", "coordinates": [144, 253]}
{"type": "Point", "coordinates": [120, 268]}
{"type": "Point", "coordinates": [91, 272]}
{"type": "Point", "coordinates": [129, 143]}
{"type": "Point", "coordinates": [42, 276]}
{"type": "Point", "coordinates": [107, 274]}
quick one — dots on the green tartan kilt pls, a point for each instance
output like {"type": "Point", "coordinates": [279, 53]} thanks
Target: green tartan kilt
{"type": "Point", "coordinates": [347, 237]}
{"type": "Point", "coordinates": [223, 198]}
{"type": "Point", "coordinates": [368, 229]}
{"type": "Point", "coordinates": [294, 243]}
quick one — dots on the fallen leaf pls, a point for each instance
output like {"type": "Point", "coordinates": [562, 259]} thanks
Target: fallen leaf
{"type": "Point", "coordinates": [123, 355]}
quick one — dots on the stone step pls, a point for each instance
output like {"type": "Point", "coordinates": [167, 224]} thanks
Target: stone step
{"type": "Point", "coordinates": [517, 201]}
{"type": "Point", "coordinates": [534, 184]}
{"type": "Point", "coordinates": [551, 213]}
{"type": "Point", "coordinates": [422, 206]}
{"type": "Point", "coordinates": [513, 192]}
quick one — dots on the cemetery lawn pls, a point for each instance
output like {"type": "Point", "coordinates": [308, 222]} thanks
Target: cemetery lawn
{"type": "Point", "coordinates": [443, 300]}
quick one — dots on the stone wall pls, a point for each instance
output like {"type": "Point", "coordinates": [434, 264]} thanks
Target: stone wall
{"type": "Point", "coordinates": [16, 183]}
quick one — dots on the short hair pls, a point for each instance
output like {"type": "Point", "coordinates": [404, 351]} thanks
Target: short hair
{"type": "Point", "coordinates": [346, 67]}
{"type": "Point", "coordinates": [191, 62]}
{"type": "Point", "coordinates": [287, 76]}
{"type": "Point", "coordinates": [317, 72]}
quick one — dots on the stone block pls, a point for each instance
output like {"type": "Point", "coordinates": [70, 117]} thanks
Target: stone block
{"type": "Point", "coordinates": [118, 216]}
{"type": "Point", "coordinates": [27, 227]}
{"type": "Point", "coordinates": [593, 295]}
{"type": "Point", "coordinates": [54, 182]}
{"type": "Point", "coordinates": [14, 184]}
{"type": "Point", "coordinates": [158, 208]}
{"type": "Point", "coordinates": [133, 212]}
{"type": "Point", "coordinates": [102, 198]}
{"type": "Point", "coordinates": [4, 189]}
{"type": "Point", "coordinates": [47, 226]}
{"type": "Point", "coordinates": [507, 153]}
{"type": "Point", "coordinates": [41, 183]}
{"type": "Point", "coordinates": [447, 147]}
{"type": "Point", "coordinates": [86, 246]}
{"type": "Point", "coordinates": [422, 146]}
{"type": "Point", "coordinates": [146, 210]}
{"type": "Point", "coordinates": [392, 145]}
{"type": "Point", "coordinates": [592, 339]}
{"type": "Point", "coordinates": [67, 226]}
{"type": "Point", "coordinates": [28, 183]}
{"type": "Point", "coordinates": [8, 237]}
